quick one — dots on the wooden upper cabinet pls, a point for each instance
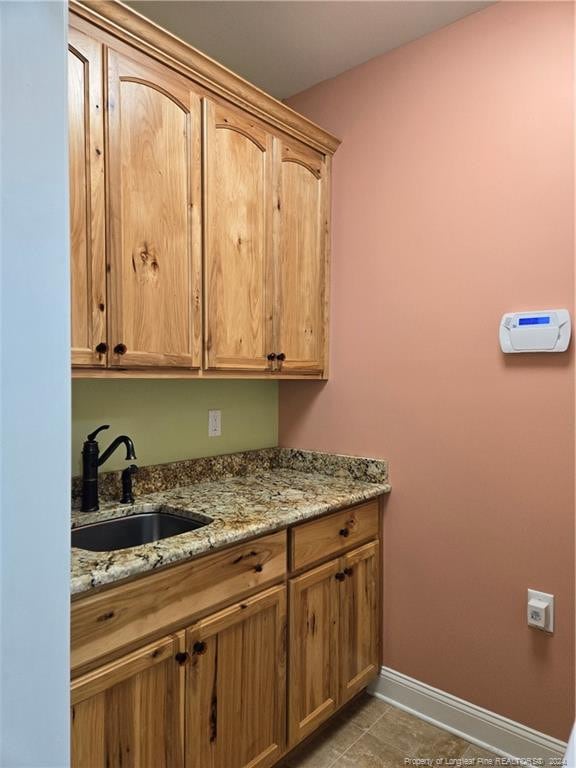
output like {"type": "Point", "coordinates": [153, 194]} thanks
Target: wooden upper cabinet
{"type": "Point", "coordinates": [154, 185]}
{"type": "Point", "coordinates": [86, 164]}
{"type": "Point", "coordinates": [235, 686]}
{"type": "Point", "coordinates": [238, 241]}
{"type": "Point", "coordinates": [360, 619]}
{"type": "Point", "coordinates": [199, 212]}
{"type": "Point", "coordinates": [128, 714]}
{"type": "Point", "coordinates": [301, 242]}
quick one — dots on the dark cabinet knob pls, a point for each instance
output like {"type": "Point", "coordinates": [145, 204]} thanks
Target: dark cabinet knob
{"type": "Point", "coordinates": [182, 657]}
{"type": "Point", "coordinates": [271, 356]}
{"type": "Point", "coordinates": [258, 568]}
{"type": "Point", "coordinates": [102, 348]}
{"type": "Point", "coordinates": [120, 349]}
{"type": "Point", "coordinates": [199, 647]}
{"type": "Point", "coordinates": [345, 532]}
{"type": "Point", "coordinates": [339, 576]}
{"type": "Point", "coordinates": [281, 356]}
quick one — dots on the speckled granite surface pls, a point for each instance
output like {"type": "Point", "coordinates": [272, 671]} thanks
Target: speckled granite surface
{"type": "Point", "coordinates": [243, 495]}
{"type": "Point", "coordinates": [161, 477]}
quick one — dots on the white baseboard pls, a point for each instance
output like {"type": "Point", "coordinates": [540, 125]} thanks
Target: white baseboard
{"type": "Point", "coordinates": [481, 727]}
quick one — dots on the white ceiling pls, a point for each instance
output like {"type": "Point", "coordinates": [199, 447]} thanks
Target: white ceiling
{"type": "Point", "coordinates": [285, 46]}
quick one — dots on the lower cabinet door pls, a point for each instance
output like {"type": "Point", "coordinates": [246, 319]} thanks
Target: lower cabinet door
{"type": "Point", "coordinates": [314, 649]}
{"type": "Point", "coordinates": [127, 714]}
{"type": "Point", "coordinates": [236, 685]}
{"type": "Point", "coordinates": [360, 619]}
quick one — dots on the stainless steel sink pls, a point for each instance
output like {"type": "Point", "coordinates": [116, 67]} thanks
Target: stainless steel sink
{"type": "Point", "coordinates": [133, 530]}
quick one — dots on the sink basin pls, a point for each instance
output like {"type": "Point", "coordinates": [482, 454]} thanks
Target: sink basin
{"type": "Point", "coordinates": [133, 530]}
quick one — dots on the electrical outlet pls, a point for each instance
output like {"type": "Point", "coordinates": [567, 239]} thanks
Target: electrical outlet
{"type": "Point", "coordinates": [540, 610]}
{"type": "Point", "coordinates": [214, 423]}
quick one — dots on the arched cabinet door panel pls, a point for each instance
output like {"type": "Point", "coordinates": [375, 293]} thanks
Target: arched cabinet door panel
{"type": "Point", "coordinates": [238, 240]}
{"type": "Point", "coordinates": [154, 189]}
{"type": "Point", "coordinates": [86, 163]}
{"type": "Point", "coordinates": [301, 239]}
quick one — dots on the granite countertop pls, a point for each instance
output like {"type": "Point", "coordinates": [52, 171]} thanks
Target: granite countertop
{"type": "Point", "coordinates": [244, 495]}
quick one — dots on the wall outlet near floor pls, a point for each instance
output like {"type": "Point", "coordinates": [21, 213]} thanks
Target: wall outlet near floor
{"type": "Point", "coordinates": [540, 610]}
{"type": "Point", "coordinates": [214, 423]}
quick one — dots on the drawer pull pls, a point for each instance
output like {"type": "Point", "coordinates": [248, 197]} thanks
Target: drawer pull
{"type": "Point", "coordinates": [258, 567]}
{"type": "Point", "coordinates": [199, 647]}
{"type": "Point", "coordinates": [344, 532]}
{"type": "Point", "coordinates": [182, 657]}
{"type": "Point", "coordinates": [339, 576]}
{"type": "Point", "coordinates": [102, 348]}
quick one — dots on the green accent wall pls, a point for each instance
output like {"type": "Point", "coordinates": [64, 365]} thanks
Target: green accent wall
{"type": "Point", "coordinates": [168, 420]}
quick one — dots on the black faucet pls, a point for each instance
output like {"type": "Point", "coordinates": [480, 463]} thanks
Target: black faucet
{"type": "Point", "coordinates": [91, 460]}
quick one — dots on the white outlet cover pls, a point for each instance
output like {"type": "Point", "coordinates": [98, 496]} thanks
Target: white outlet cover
{"type": "Point", "coordinates": [545, 597]}
{"type": "Point", "coordinates": [214, 423]}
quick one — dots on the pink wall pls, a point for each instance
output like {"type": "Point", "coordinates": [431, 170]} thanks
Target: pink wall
{"type": "Point", "coordinates": [453, 202]}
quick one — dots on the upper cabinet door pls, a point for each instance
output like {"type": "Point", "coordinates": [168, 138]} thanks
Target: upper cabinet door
{"type": "Point", "coordinates": [301, 226]}
{"type": "Point", "coordinates": [86, 160]}
{"type": "Point", "coordinates": [154, 184]}
{"type": "Point", "coordinates": [238, 241]}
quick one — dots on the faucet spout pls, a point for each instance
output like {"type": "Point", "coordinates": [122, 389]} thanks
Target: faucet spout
{"type": "Point", "coordinates": [120, 440]}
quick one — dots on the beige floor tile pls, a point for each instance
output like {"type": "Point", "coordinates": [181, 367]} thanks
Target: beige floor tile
{"type": "Point", "coordinates": [416, 738]}
{"type": "Point", "coordinates": [315, 754]}
{"type": "Point", "coordinates": [372, 734]}
{"type": "Point", "coordinates": [480, 755]}
{"type": "Point", "coordinates": [323, 750]}
{"type": "Point", "coordinates": [369, 752]}
{"type": "Point", "coordinates": [342, 733]}
{"type": "Point", "coordinates": [448, 746]}
{"type": "Point", "coordinates": [364, 711]}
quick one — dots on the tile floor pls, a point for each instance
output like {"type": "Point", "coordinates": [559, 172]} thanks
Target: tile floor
{"type": "Point", "coordinates": [372, 734]}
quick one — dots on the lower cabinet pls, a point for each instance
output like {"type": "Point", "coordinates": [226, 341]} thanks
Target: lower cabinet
{"type": "Point", "coordinates": [241, 686]}
{"type": "Point", "coordinates": [220, 703]}
{"type": "Point", "coordinates": [334, 651]}
{"type": "Point", "coordinates": [359, 620]}
{"type": "Point", "coordinates": [128, 714]}
{"type": "Point", "coordinates": [314, 647]}
{"type": "Point", "coordinates": [236, 685]}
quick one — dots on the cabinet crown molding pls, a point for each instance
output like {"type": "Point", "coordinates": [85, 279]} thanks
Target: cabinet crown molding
{"type": "Point", "coordinates": [128, 25]}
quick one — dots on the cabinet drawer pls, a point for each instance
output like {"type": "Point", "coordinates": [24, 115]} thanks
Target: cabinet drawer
{"type": "Point", "coordinates": [332, 534]}
{"type": "Point", "coordinates": [159, 602]}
